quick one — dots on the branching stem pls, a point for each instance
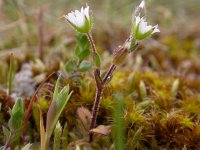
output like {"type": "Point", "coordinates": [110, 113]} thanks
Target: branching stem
{"type": "Point", "coordinates": [100, 84]}
{"type": "Point", "coordinates": [98, 98]}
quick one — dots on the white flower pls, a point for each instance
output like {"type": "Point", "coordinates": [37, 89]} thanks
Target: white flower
{"type": "Point", "coordinates": [80, 20]}
{"type": "Point", "coordinates": [141, 30]}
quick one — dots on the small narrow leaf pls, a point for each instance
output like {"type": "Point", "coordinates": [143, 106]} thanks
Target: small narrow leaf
{"type": "Point", "coordinates": [82, 53]}
{"type": "Point", "coordinates": [97, 60]}
{"type": "Point", "coordinates": [17, 115]}
{"type": "Point", "coordinates": [42, 131]}
{"type": "Point", "coordinates": [51, 115]}
{"type": "Point", "coordinates": [101, 129]}
{"type": "Point", "coordinates": [58, 103]}
{"type": "Point", "coordinates": [65, 137]}
{"type": "Point", "coordinates": [27, 147]}
{"type": "Point", "coordinates": [70, 66]}
{"type": "Point", "coordinates": [57, 136]}
{"type": "Point", "coordinates": [84, 66]}
{"type": "Point", "coordinates": [6, 133]}
{"type": "Point", "coordinates": [119, 127]}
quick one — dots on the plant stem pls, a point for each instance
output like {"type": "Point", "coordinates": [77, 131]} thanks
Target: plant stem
{"type": "Point", "coordinates": [95, 111]}
{"type": "Point", "coordinates": [99, 86]}
{"type": "Point", "coordinates": [10, 75]}
{"type": "Point", "coordinates": [98, 98]}
{"type": "Point", "coordinates": [108, 74]}
{"type": "Point", "coordinates": [94, 50]}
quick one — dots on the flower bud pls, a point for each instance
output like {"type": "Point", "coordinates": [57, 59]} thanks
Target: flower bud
{"type": "Point", "coordinates": [121, 52]}
{"type": "Point", "coordinates": [80, 20]}
{"type": "Point", "coordinates": [140, 29]}
{"type": "Point", "coordinates": [140, 10]}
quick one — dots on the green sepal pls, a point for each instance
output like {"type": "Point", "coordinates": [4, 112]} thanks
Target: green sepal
{"type": "Point", "coordinates": [140, 36]}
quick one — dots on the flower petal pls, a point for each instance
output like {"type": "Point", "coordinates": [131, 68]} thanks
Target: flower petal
{"type": "Point", "coordinates": [155, 29]}
{"type": "Point", "coordinates": [142, 4]}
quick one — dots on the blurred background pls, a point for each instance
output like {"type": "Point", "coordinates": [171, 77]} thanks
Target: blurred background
{"type": "Point", "coordinates": [29, 25]}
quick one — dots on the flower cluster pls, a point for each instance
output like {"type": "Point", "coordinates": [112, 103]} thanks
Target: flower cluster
{"type": "Point", "coordinates": [82, 22]}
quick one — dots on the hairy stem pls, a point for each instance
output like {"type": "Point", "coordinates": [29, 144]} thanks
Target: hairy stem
{"type": "Point", "coordinates": [11, 70]}
{"type": "Point", "coordinates": [98, 98]}
{"type": "Point", "coordinates": [94, 50]}
{"type": "Point", "coordinates": [108, 74]}
{"type": "Point", "coordinates": [99, 86]}
{"type": "Point", "coordinates": [95, 111]}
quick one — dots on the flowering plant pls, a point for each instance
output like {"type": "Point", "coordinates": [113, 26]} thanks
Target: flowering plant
{"type": "Point", "coordinates": [82, 22]}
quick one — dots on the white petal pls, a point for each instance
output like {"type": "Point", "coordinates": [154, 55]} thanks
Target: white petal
{"type": "Point", "coordinates": [71, 18]}
{"type": "Point", "coordinates": [86, 12]}
{"type": "Point", "coordinates": [142, 4]}
{"type": "Point", "coordinates": [80, 19]}
{"type": "Point", "coordinates": [144, 27]}
{"type": "Point", "coordinates": [82, 9]}
{"type": "Point", "coordinates": [155, 29]}
{"type": "Point", "coordinates": [137, 20]}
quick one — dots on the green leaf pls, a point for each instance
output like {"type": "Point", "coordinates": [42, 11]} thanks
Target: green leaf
{"type": "Point", "coordinates": [119, 126]}
{"type": "Point", "coordinates": [58, 103]}
{"type": "Point", "coordinates": [6, 133]}
{"type": "Point", "coordinates": [17, 115]}
{"type": "Point", "coordinates": [84, 66]}
{"type": "Point", "coordinates": [15, 122]}
{"type": "Point", "coordinates": [97, 60]}
{"type": "Point", "coordinates": [77, 51]}
{"type": "Point", "coordinates": [81, 39]}
{"type": "Point", "coordinates": [82, 53]}
{"type": "Point", "coordinates": [57, 136]}
{"type": "Point", "coordinates": [65, 133]}
{"type": "Point", "coordinates": [82, 49]}
{"type": "Point", "coordinates": [69, 66]}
